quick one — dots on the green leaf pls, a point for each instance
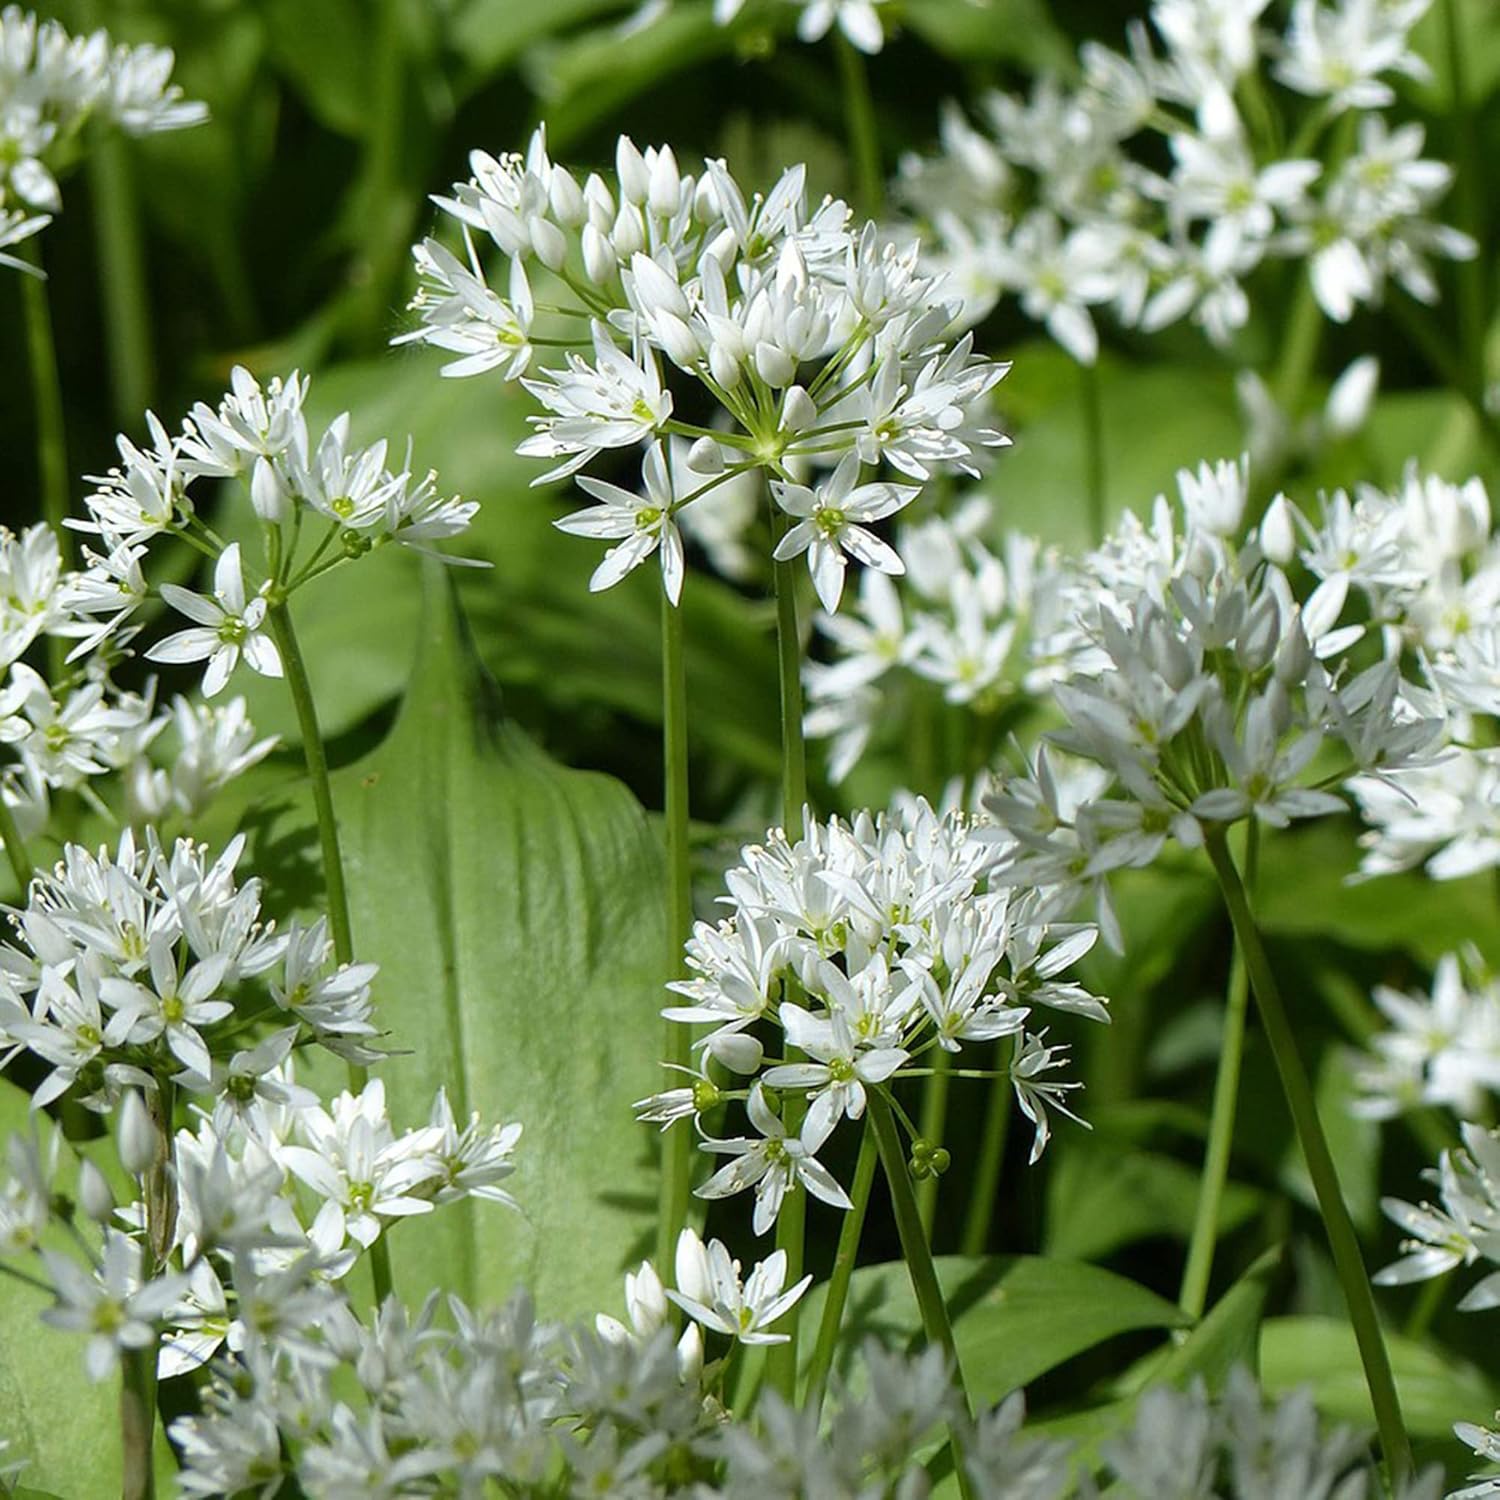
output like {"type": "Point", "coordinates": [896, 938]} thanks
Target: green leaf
{"type": "Point", "coordinates": [1303, 891]}
{"type": "Point", "coordinates": [516, 909]}
{"type": "Point", "coordinates": [54, 1416]}
{"type": "Point", "coordinates": [1014, 1317]}
{"type": "Point", "coordinates": [1436, 1388]}
{"type": "Point", "coordinates": [324, 52]}
{"type": "Point", "coordinates": [1101, 1196]}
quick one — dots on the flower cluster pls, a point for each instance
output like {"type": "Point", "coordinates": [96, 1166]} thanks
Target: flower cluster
{"type": "Point", "coordinates": [959, 619]}
{"type": "Point", "coordinates": [859, 948]}
{"type": "Point", "coordinates": [1442, 1050]}
{"type": "Point", "coordinates": [1062, 201]}
{"type": "Point", "coordinates": [51, 86]}
{"type": "Point", "coordinates": [1205, 691]}
{"type": "Point", "coordinates": [775, 335]}
{"type": "Point", "coordinates": [144, 976]}
{"type": "Point", "coordinates": [1420, 567]}
{"type": "Point", "coordinates": [259, 437]}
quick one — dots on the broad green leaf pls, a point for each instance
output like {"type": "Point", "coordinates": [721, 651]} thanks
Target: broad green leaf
{"type": "Point", "coordinates": [1102, 1195]}
{"type": "Point", "coordinates": [516, 910]}
{"type": "Point", "coordinates": [1436, 1388]}
{"type": "Point", "coordinates": [52, 1414]}
{"type": "Point", "coordinates": [1303, 891]}
{"type": "Point", "coordinates": [1014, 1317]}
{"type": "Point", "coordinates": [325, 51]}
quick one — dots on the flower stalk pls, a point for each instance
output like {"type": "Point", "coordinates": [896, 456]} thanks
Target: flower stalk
{"type": "Point", "coordinates": [843, 1271]}
{"type": "Point", "coordinates": [918, 1255]}
{"type": "Point", "coordinates": [1342, 1238]}
{"type": "Point", "coordinates": [1194, 1294]}
{"type": "Point", "coordinates": [677, 1145]}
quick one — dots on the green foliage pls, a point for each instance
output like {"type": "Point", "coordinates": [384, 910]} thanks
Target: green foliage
{"type": "Point", "coordinates": [51, 1412]}
{"type": "Point", "coordinates": [516, 911]}
{"type": "Point", "coordinates": [1014, 1317]}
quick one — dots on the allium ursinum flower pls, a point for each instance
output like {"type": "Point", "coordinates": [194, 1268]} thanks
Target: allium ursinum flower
{"type": "Point", "coordinates": [649, 1311]}
{"type": "Point", "coordinates": [210, 745]}
{"type": "Point", "coordinates": [319, 501]}
{"type": "Point", "coordinates": [1062, 199]}
{"type": "Point", "coordinates": [710, 1291]}
{"type": "Point", "coordinates": [113, 1304]}
{"type": "Point", "coordinates": [958, 618]}
{"type": "Point", "coordinates": [772, 332]}
{"type": "Point", "coordinates": [1441, 1049]}
{"type": "Point", "coordinates": [863, 945]}
{"type": "Point", "coordinates": [127, 965]}
{"type": "Point", "coordinates": [1197, 682]}
{"type": "Point", "coordinates": [51, 86]}
{"type": "Point", "coordinates": [1420, 565]}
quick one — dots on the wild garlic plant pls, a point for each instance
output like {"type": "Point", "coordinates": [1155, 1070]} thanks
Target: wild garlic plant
{"type": "Point", "coordinates": [53, 88]}
{"type": "Point", "coordinates": [1280, 146]}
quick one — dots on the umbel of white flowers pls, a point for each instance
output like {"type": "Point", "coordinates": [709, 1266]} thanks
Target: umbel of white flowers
{"type": "Point", "coordinates": [864, 946]}
{"type": "Point", "coordinates": [1205, 692]}
{"type": "Point", "coordinates": [774, 337]}
{"type": "Point", "coordinates": [51, 86]}
{"type": "Point", "coordinates": [1053, 202]}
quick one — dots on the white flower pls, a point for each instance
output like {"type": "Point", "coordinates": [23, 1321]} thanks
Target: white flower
{"type": "Point", "coordinates": [829, 525]}
{"type": "Point", "coordinates": [229, 627]}
{"type": "Point", "coordinates": [838, 1073]}
{"type": "Point", "coordinates": [643, 523]}
{"type": "Point", "coordinates": [772, 1165]}
{"type": "Point", "coordinates": [710, 1292]}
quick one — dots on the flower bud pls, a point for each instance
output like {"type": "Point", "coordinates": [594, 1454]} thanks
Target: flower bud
{"type": "Point", "coordinates": [775, 366]}
{"type": "Point", "coordinates": [599, 202]}
{"type": "Point", "coordinates": [94, 1196]}
{"type": "Point", "coordinates": [736, 1051]}
{"type": "Point", "coordinates": [799, 412]}
{"type": "Point", "coordinates": [664, 192]}
{"type": "Point", "coordinates": [598, 256]}
{"type": "Point", "coordinates": [724, 367]}
{"type": "Point", "coordinates": [1278, 537]}
{"type": "Point", "coordinates": [706, 457]}
{"type": "Point", "coordinates": [549, 242]}
{"type": "Point", "coordinates": [267, 493]}
{"type": "Point", "coordinates": [136, 1137]}
{"type": "Point", "coordinates": [631, 170]}
{"type": "Point", "coordinates": [566, 198]}
{"type": "Point", "coordinates": [629, 233]}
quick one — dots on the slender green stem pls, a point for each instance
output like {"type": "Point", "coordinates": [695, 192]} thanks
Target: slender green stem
{"type": "Point", "coordinates": [122, 278]}
{"type": "Point", "coordinates": [791, 1223]}
{"type": "Point", "coordinates": [15, 848]}
{"type": "Point", "coordinates": [137, 1422]}
{"type": "Point", "coordinates": [1094, 459]}
{"type": "Point", "coordinates": [26, 1279]}
{"type": "Point", "coordinates": [1299, 347]}
{"type": "Point", "coordinates": [1426, 1307]}
{"type": "Point", "coordinates": [789, 662]}
{"type": "Point", "coordinates": [1342, 1239]}
{"type": "Point", "coordinates": [863, 128]}
{"type": "Point", "coordinates": [843, 1271]}
{"type": "Point", "coordinates": [1200, 1259]}
{"type": "Point", "coordinates": [991, 1161]}
{"type": "Point", "coordinates": [300, 686]}
{"type": "Point", "coordinates": [51, 428]}
{"type": "Point", "coordinates": [918, 1256]}
{"type": "Point", "coordinates": [934, 1118]}
{"type": "Point", "coordinates": [677, 1145]}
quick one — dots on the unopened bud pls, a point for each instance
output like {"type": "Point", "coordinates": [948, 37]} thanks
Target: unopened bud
{"type": "Point", "coordinates": [136, 1137]}
{"type": "Point", "coordinates": [1278, 536]}
{"type": "Point", "coordinates": [267, 493]}
{"type": "Point", "coordinates": [94, 1196]}
{"type": "Point", "coordinates": [706, 457]}
{"type": "Point", "coordinates": [799, 412]}
{"type": "Point", "coordinates": [736, 1051]}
